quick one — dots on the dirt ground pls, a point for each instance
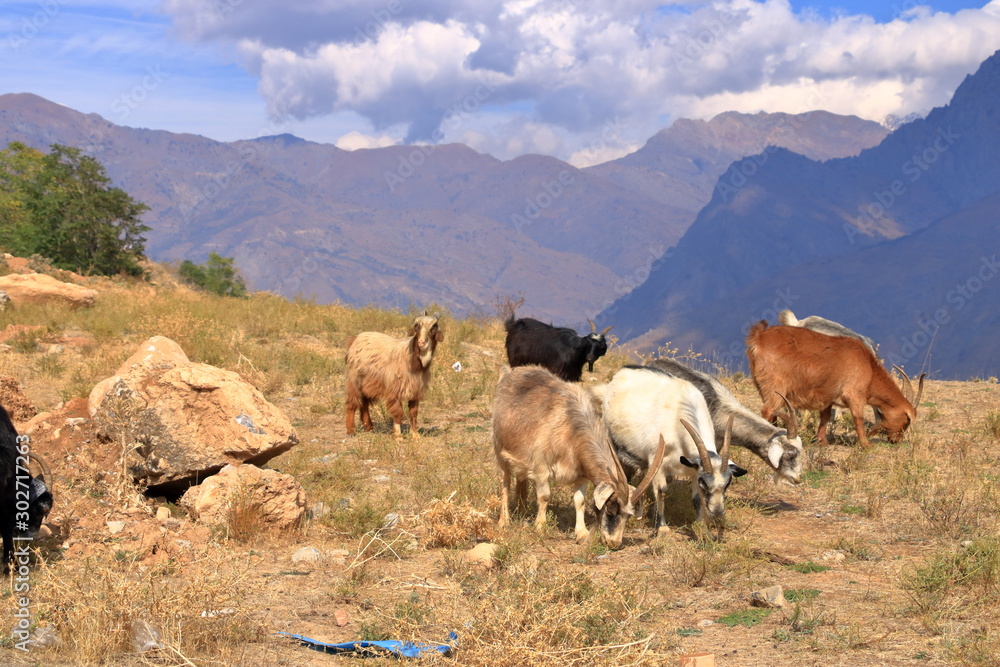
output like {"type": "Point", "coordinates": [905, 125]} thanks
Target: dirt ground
{"type": "Point", "coordinates": [841, 557]}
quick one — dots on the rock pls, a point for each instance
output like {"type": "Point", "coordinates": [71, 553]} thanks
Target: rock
{"type": "Point", "coordinates": [43, 532]}
{"type": "Point", "coordinates": [770, 598]}
{"type": "Point", "coordinates": [279, 498]}
{"type": "Point", "coordinates": [192, 419]}
{"type": "Point", "coordinates": [390, 521]}
{"type": "Point", "coordinates": [307, 555]}
{"type": "Point", "coordinates": [163, 513]}
{"type": "Point", "coordinates": [13, 399]}
{"type": "Point", "coordinates": [44, 637]}
{"type": "Point", "coordinates": [380, 479]}
{"type": "Point", "coordinates": [4, 300]}
{"type": "Point", "coordinates": [482, 554]}
{"type": "Point", "coordinates": [41, 288]}
{"type": "Point", "coordinates": [145, 636]}
{"type": "Point", "coordinates": [705, 623]}
{"type": "Point", "coordinates": [833, 556]}
{"type": "Point", "coordinates": [340, 617]}
{"type": "Point", "coordinates": [318, 510]}
{"type": "Point", "coordinates": [116, 527]}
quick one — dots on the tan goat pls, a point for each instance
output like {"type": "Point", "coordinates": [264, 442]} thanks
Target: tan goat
{"type": "Point", "coordinates": [397, 370]}
{"type": "Point", "coordinates": [548, 430]}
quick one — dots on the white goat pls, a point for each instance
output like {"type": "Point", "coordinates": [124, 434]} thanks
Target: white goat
{"type": "Point", "coordinates": [549, 431]}
{"type": "Point", "coordinates": [642, 404]}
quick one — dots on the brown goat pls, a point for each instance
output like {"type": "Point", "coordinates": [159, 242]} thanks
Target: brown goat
{"type": "Point", "coordinates": [816, 372]}
{"type": "Point", "coordinates": [549, 431]}
{"type": "Point", "coordinates": [393, 369]}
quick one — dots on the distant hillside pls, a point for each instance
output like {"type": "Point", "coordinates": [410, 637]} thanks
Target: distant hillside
{"type": "Point", "coordinates": [843, 239]}
{"type": "Point", "coordinates": [415, 225]}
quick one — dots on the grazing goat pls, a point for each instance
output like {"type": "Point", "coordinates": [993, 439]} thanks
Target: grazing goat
{"type": "Point", "coordinates": [816, 372]}
{"type": "Point", "coordinates": [830, 328]}
{"type": "Point", "coordinates": [549, 431]}
{"type": "Point", "coordinates": [780, 449]}
{"type": "Point", "coordinates": [559, 349]}
{"type": "Point", "coordinates": [642, 404]}
{"type": "Point", "coordinates": [823, 326]}
{"type": "Point", "coordinates": [24, 500]}
{"type": "Point", "coordinates": [395, 369]}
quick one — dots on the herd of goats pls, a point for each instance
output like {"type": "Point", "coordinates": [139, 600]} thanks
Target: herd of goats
{"type": "Point", "coordinates": [662, 419]}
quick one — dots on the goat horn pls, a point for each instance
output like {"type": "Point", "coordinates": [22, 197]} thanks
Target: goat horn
{"type": "Point", "coordinates": [593, 327]}
{"type": "Point", "coordinates": [619, 473]}
{"type": "Point", "coordinates": [791, 421]}
{"type": "Point", "coordinates": [607, 329]}
{"type": "Point", "coordinates": [724, 452]}
{"type": "Point", "coordinates": [907, 385]}
{"type": "Point", "coordinates": [706, 461]}
{"type": "Point", "coordinates": [920, 391]}
{"type": "Point", "coordinates": [644, 484]}
{"type": "Point", "coordinates": [46, 470]}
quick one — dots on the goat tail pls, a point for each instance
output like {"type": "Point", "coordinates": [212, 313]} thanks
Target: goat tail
{"type": "Point", "coordinates": [754, 335]}
{"type": "Point", "coordinates": [788, 318]}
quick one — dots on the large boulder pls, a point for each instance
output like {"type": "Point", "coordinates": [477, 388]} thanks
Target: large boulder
{"type": "Point", "coordinates": [41, 288]}
{"type": "Point", "coordinates": [273, 498]}
{"type": "Point", "coordinates": [187, 420]}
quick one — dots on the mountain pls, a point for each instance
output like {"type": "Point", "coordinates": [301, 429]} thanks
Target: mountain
{"type": "Point", "coordinates": [434, 224]}
{"type": "Point", "coordinates": [876, 241]}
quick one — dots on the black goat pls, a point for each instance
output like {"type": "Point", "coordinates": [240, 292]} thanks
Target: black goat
{"type": "Point", "coordinates": [24, 500]}
{"type": "Point", "coordinates": [558, 349]}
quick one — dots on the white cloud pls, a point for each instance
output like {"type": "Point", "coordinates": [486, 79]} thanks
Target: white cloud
{"type": "Point", "coordinates": [353, 141]}
{"type": "Point", "coordinates": [557, 73]}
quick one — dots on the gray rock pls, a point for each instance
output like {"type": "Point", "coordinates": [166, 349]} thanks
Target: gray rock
{"type": "Point", "coordinates": [769, 598]}
{"type": "Point", "coordinates": [307, 555]}
{"type": "Point", "coordinates": [115, 527]}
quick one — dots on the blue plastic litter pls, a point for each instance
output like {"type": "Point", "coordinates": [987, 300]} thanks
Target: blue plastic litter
{"type": "Point", "coordinates": [392, 646]}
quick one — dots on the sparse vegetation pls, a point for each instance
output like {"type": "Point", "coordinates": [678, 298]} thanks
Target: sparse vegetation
{"type": "Point", "coordinates": [915, 524]}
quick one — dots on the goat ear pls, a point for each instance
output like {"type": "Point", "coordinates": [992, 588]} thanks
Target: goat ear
{"type": "Point", "coordinates": [685, 461]}
{"type": "Point", "coordinates": [438, 335]}
{"type": "Point", "coordinates": [736, 470]}
{"type": "Point", "coordinates": [774, 453]}
{"type": "Point", "coordinates": [602, 492]}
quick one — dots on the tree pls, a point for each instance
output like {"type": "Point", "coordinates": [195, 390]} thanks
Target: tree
{"type": "Point", "coordinates": [60, 205]}
{"type": "Point", "coordinates": [218, 275]}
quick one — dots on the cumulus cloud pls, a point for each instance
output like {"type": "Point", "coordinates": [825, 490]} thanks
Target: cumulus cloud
{"type": "Point", "coordinates": [550, 75]}
{"type": "Point", "coordinates": [353, 141]}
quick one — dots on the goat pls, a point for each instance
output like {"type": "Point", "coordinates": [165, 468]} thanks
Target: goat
{"type": "Point", "coordinates": [642, 403]}
{"type": "Point", "coordinates": [25, 501]}
{"type": "Point", "coordinates": [549, 431]}
{"type": "Point", "coordinates": [779, 448]}
{"type": "Point", "coordinates": [559, 349]}
{"type": "Point", "coordinates": [813, 371]}
{"type": "Point", "coordinates": [830, 328]}
{"type": "Point", "coordinates": [823, 326]}
{"type": "Point", "coordinates": [397, 370]}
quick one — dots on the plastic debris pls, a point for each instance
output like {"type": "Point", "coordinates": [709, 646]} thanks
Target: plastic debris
{"type": "Point", "coordinates": [366, 648]}
{"type": "Point", "coordinates": [457, 366]}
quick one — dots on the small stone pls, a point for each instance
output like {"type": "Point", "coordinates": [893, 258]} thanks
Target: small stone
{"type": "Point", "coordinates": [44, 637]}
{"type": "Point", "coordinates": [705, 622]}
{"type": "Point", "coordinates": [833, 556]}
{"type": "Point", "coordinates": [183, 544]}
{"type": "Point", "coordinates": [390, 520]}
{"type": "Point", "coordinates": [306, 555]}
{"type": "Point", "coordinates": [340, 618]}
{"type": "Point", "coordinates": [319, 510]}
{"type": "Point", "coordinates": [145, 637]}
{"type": "Point", "coordinates": [381, 479]}
{"type": "Point", "coordinates": [339, 553]}
{"type": "Point", "coordinates": [116, 527]}
{"type": "Point", "coordinates": [482, 554]}
{"type": "Point", "coordinates": [769, 598]}
{"type": "Point", "coordinates": [162, 513]}
{"type": "Point", "coordinates": [75, 421]}
{"type": "Point", "coordinates": [44, 531]}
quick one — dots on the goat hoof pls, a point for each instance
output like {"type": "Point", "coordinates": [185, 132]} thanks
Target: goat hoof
{"type": "Point", "coordinates": [662, 531]}
{"type": "Point", "coordinates": [583, 538]}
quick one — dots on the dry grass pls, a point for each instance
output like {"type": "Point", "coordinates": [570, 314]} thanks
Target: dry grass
{"type": "Point", "coordinates": [893, 548]}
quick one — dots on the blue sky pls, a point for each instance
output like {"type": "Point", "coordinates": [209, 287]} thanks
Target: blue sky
{"type": "Point", "coordinates": [584, 80]}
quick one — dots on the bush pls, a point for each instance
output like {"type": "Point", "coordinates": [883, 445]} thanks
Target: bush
{"type": "Point", "coordinates": [218, 275]}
